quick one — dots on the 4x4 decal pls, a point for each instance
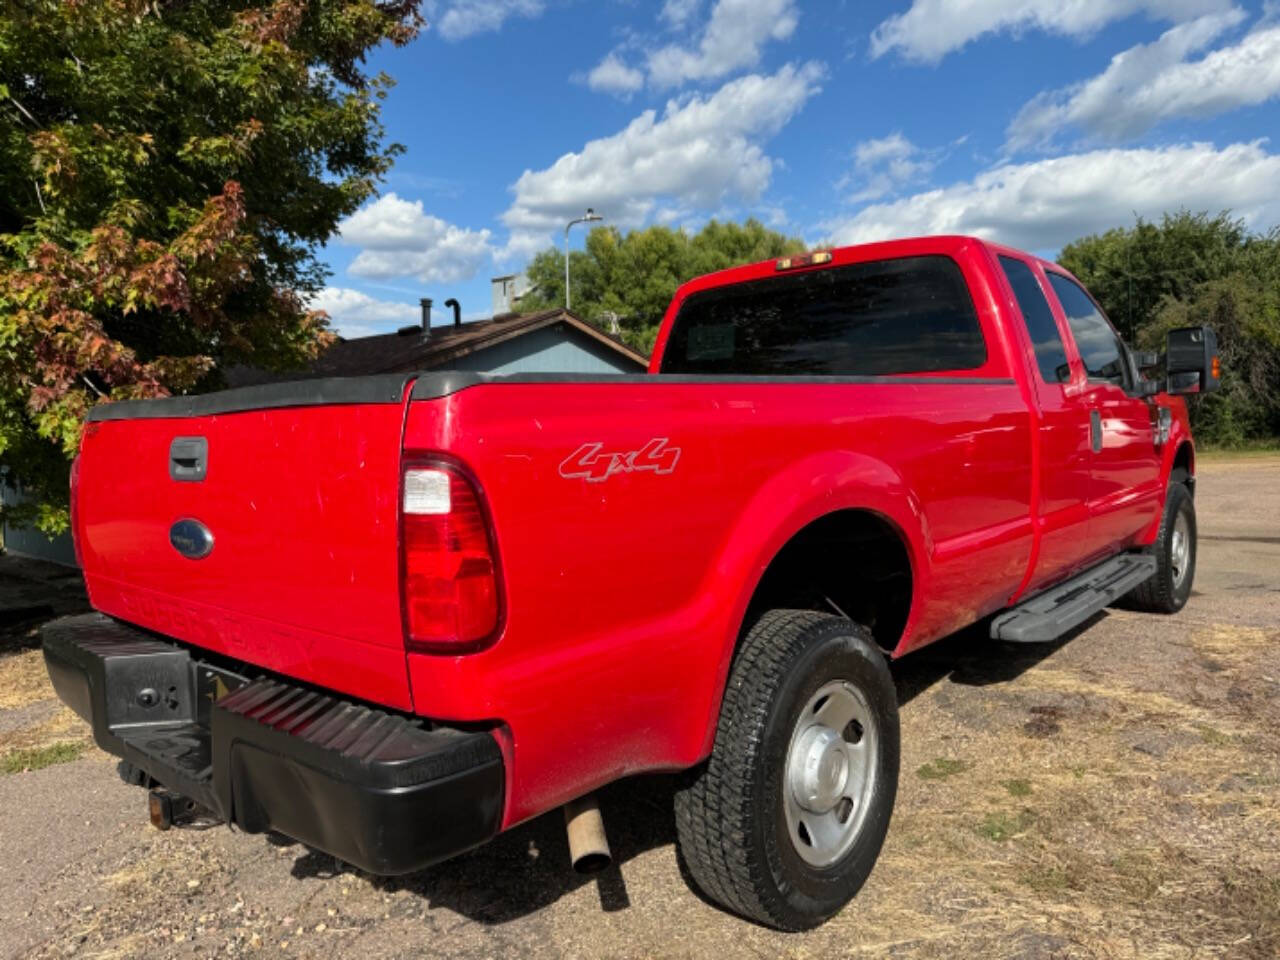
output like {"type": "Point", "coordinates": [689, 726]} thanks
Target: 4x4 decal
{"type": "Point", "coordinates": [595, 466]}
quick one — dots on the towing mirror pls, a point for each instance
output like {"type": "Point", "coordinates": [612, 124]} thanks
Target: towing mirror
{"type": "Point", "coordinates": [1191, 360]}
{"type": "Point", "coordinates": [1146, 360]}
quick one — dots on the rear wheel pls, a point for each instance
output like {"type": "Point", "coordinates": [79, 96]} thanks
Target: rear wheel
{"type": "Point", "coordinates": [1175, 553]}
{"type": "Point", "coordinates": [786, 819]}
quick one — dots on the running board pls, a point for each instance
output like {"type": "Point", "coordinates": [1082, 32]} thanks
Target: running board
{"type": "Point", "coordinates": [1047, 616]}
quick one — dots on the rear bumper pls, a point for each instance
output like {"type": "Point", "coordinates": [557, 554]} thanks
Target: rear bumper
{"type": "Point", "coordinates": [380, 791]}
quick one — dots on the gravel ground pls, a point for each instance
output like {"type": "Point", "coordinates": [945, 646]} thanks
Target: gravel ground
{"type": "Point", "coordinates": [1113, 795]}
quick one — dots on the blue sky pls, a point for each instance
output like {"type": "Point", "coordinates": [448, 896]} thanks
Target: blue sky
{"type": "Point", "coordinates": [1031, 122]}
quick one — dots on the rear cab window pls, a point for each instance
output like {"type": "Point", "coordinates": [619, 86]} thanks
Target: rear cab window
{"type": "Point", "coordinates": [1101, 350]}
{"type": "Point", "coordinates": [879, 318]}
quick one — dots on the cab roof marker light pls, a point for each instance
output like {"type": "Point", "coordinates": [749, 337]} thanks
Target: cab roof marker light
{"type": "Point", "coordinates": [804, 260]}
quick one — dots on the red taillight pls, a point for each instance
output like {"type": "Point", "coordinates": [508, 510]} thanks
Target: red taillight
{"type": "Point", "coordinates": [450, 570]}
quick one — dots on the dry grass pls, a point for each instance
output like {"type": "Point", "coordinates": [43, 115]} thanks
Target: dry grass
{"type": "Point", "coordinates": [54, 735]}
{"type": "Point", "coordinates": [1142, 822]}
{"type": "Point", "coordinates": [23, 679]}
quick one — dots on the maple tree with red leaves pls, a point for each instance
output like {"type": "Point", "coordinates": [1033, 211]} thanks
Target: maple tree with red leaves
{"type": "Point", "coordinates": [168, 170]}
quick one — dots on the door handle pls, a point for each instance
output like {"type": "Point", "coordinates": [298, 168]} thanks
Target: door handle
{"type": "Point", "coordinates": [1095, 431]}
{"type": "Point", "coordinates": [188, 459]}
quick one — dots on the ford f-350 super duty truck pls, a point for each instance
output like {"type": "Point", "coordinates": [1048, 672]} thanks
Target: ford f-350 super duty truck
{"type": "Point", "coordinates": [393, 616]}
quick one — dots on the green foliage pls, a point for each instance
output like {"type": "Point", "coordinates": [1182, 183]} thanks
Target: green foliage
{"type": "Point", "coordinates": [167, 171]}
{"type": "Point", "coordinates": [634, 275]}
{"type": "Point", "coordinates": [1133, 270]}
{"type": "Point", "coordinates": [1194, 269]}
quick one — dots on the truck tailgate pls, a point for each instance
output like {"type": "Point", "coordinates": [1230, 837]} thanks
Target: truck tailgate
{"type": "Point", "coordinates": [301, 504]}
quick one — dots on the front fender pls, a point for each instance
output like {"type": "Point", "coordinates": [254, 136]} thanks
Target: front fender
{"type": "Point", "coordinates": [805, 491]}
{"type": "Point", "coordinates": [1179, 436]}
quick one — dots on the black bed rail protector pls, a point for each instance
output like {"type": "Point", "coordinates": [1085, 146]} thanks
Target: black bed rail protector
{"type": "Point", "coordinates": [329, 391]}
{"type": "Point", "coordinates": [432, 385]}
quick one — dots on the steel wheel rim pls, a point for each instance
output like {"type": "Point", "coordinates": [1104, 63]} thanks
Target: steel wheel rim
{"type": "Point", "coordinates": [1180, 549]}
{"type": "Point", "coordinates": [830, 773]}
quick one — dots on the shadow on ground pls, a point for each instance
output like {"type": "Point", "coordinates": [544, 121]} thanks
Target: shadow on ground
{"type": "Point", "coordinates": [526, 869]}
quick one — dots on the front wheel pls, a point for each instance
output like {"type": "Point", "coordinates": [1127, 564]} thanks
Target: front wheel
{"type": "Point", "coordinates": [786, 819]}
{"type": "Point", "coordinates": [1175, 553]}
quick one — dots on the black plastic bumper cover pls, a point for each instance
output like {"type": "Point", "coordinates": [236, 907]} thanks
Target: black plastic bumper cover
{"type": "Point", "coordinates": [377, 790]}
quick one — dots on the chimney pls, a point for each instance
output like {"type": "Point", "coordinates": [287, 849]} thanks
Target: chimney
{"type": "Point", "coordinates": [426, 316]}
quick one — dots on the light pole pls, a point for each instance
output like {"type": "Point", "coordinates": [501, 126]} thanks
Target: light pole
{"type": "Point", "coordinates": [590, 217]}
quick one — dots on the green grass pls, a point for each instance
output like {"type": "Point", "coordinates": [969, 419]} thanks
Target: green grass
{"type": "Point", "coordinates": [1252, 451]}
{"type": "Point", "coordinates": [37, 758]}
{"type": "Point", "coordinates": [1017, 788]}
{"type": "Point", "coordinates": [941, 768]}
{"type": "Point", "coordinates": [1213, 736]}
{"type": "Point", "coordinates": [1004, 826]}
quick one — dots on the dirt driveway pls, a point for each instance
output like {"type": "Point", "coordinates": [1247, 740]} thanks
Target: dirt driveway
{"type": "Point", "coordinates": [1115, 795]}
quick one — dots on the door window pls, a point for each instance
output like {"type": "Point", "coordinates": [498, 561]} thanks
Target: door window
{"type": "Point", "coordinates": [1100, 348]}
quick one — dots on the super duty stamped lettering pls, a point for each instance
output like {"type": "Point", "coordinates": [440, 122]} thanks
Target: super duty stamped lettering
{"type": "Point", "coordinates": [593, 464]}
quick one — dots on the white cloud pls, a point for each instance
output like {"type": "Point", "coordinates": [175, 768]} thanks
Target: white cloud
{"type": "Point", "coordinates": [465, 18]}
{"type": "Point", "coordinates": [931, 29]}
{"type": "Point", "coordinates": [700, 152]}
{"type": "Point", "coordinates": [676, 13]}
{"type": "Point", "coordinates": [611, 75]}
{"type": "Point", "coordinates": [399, 239]}
{"type": "Point", "coordinates": [884, 165]}
{"type": "Point", "coordinates": [732, 40]}
{"type": "Point", "coordinates": [1153, 82]}
{"type": "Point", "coordinates": [356, 314]}
{"type": "Point", "coordinates": [1043, 205]}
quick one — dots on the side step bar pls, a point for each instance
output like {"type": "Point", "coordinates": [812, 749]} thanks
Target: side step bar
{"type": "Point", "coordinates": [1048, 615]}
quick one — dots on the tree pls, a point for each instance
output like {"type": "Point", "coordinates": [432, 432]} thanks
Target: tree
{"type": "Point", "coordinates": [1244, 311]}
{"type": "Point", "coordinates": [1193, 269]}
{"type": "Point", "coordinates": [1131, 271]}
{"type": "Point", "coordinates": [167, 171]}
{"type": "Point", "coordinates": [633, 276]}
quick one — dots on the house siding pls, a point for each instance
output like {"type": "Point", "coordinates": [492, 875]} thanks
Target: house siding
{"type": "Point", "coordinates": [29, 542]}
{"type": "Point", "coordinates": [549, 350]}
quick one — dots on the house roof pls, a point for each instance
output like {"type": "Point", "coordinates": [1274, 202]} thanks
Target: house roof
{"type": "Point", "coordinates": [396, 352]}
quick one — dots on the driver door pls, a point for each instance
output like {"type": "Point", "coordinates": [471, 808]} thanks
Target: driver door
{"type": "Point", "coordinates": [1124, 486]}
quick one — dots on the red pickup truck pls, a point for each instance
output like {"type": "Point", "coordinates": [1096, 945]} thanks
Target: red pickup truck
{"type": "Point", "coordinates": [396, 615]}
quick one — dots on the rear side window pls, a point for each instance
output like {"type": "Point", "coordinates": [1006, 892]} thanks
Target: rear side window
{"type": "Point", "coordinates": [1098, 344]}
{"type": "Point", "coordinates": [910, 315]}
{"type": "Point", "coordinates": [1051, 355]}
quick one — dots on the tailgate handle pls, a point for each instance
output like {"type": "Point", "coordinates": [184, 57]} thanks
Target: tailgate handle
{"type": "Point", "coordinates": [188, 459]}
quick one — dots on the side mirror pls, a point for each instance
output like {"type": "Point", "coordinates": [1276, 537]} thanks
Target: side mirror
{"type": "Point", "coordinates": [1191, 360]}
{"type": "Point", "coordinates": [1146, 360]}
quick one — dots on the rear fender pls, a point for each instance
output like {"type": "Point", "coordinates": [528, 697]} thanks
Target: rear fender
{"type": "Point", "coordinates": [805, 491]}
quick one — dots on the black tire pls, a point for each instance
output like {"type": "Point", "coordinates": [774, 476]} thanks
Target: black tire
{"type": "Point", "coordinates": [1168, 590]}
{"type": "Point", "coordinates": [731, 822]}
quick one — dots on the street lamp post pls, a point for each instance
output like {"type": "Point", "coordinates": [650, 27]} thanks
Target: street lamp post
{"type": "Point", "coordinates": [590, 217]}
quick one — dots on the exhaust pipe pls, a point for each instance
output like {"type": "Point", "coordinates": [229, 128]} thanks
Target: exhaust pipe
{"type": "Point", "coordinates": [588, 845]}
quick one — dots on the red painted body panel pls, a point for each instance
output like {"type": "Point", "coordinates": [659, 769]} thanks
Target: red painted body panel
{"type": "Point", "coordinates": [624, 581]}
{"type": "Point", "coordinates": [304, 578]}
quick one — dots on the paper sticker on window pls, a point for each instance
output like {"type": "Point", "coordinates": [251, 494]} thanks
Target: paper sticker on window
{"type": "Point", "coordinates": [711, 342]}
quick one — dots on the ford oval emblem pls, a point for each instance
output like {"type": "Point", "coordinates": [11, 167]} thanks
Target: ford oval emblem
{"type": "Point", "coordinates": [191, 538]}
